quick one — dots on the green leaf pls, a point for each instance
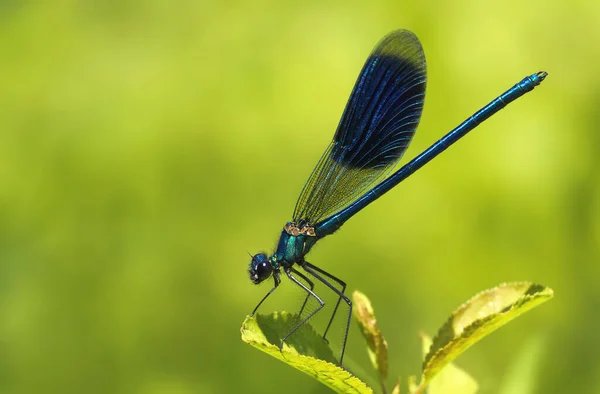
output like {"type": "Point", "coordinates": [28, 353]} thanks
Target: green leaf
{"type": "Point", "coordinates": [396, 389]}
{"type": "Point", "coordinates": [412, 384]}
{"type": "Point", "coordinates": [451, 379]}
{"type": "Point", "coordinates": [305, 350]}
{"type": "Point", "coordinates": [376, 343]}
{"type": "Point", "coordinates": [477, 318]}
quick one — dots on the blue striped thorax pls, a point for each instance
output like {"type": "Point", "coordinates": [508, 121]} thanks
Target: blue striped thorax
{"type": "Point", "coordinates": [295, 241]}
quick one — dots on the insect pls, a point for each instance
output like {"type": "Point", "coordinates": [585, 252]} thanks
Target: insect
{"type": "Point", "coordinates": [357, 168]}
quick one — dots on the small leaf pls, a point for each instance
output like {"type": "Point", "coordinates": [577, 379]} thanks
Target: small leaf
{"type": "Point", "coordinates": [451, 379]}
{"type": "Point", "coordinates": [377, 345]}
{"type": "Point", "coordinates": [477, 318]}
{"type": "Point", "coordinates": [396, 389]}
{"type": "Point", "coordinates": [412, 384]}
{"type": "Point", "coordinates": [265, 333]}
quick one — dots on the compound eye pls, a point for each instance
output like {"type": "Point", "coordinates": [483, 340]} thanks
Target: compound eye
{"type": "Point", "coordinates": [260, 268]}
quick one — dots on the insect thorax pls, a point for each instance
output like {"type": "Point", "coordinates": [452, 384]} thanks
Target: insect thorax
{"type": "Point", "coordinates": [294, 242]}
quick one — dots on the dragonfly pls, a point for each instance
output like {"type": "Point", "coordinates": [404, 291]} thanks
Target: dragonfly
{"type": "Point", "coordinates": [360, 165]}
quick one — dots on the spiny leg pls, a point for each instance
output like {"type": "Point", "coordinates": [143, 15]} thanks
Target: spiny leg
{"type": "Point", "coordinates": [310, 284]}
{"type": "Point", "coordinates": [342, 283]}
{"type": "Point", "coordinates": [277, 282]}
{"type": "Point", "coordinates": [311, 269]}
{"type": "Point", "coordinates": [288, 272]}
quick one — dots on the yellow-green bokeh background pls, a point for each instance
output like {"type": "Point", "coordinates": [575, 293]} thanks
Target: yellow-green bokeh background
{"type": "Point", "coordinates": [147, 146]}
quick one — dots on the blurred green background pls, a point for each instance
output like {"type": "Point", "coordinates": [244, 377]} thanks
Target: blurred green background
{"type": "Point", "coordinates": [147, 146]}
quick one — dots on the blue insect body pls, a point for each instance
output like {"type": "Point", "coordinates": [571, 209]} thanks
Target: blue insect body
{"type": "Point", "coordinates": [377, 126]}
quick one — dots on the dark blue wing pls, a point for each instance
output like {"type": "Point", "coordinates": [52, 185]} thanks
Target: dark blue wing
{"type": "Point", "coordinates": [377, 126]}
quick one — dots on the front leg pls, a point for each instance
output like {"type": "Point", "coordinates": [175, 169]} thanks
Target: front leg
{"type": "Point", "coordinates": [277, 281]}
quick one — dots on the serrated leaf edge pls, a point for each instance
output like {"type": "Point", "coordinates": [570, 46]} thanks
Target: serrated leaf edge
{"type": "Point", "coordinates": [306, 364]}
{"type": "Point", "coordinates": [543, 295]}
